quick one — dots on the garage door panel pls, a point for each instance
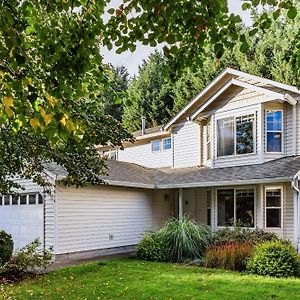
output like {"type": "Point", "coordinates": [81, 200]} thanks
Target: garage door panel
{"type": "Point", "coordinates": [23, 222]}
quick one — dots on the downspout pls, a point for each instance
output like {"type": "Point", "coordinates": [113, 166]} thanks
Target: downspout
{"type": "Point", "coordinates": [294, 130]}
{"type": "Point", "coordinates": [295, 187]}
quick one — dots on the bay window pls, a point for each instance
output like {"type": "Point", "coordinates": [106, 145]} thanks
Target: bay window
{"type": "Point", "coordinates": [273, 207]}
{"type": "Point", "coordinates": [236, 135]}
{"type": "Point", "coordinates": [225, 136]}
{"type": "Point", "coordinates": [235, 206]}
{"type": "Point", "coordinates": [274, 131]}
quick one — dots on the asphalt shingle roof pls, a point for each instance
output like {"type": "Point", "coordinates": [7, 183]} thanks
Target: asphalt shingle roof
{"type": "Point", "coordinates": [129, 174]}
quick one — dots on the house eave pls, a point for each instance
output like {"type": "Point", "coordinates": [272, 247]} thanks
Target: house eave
{"type": "Point", "coordinates": [224, 183]}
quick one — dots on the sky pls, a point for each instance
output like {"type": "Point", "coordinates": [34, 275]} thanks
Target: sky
{"type": "Point", "coordinates": [132, 60]}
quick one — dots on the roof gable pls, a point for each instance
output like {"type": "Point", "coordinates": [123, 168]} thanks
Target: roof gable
{"type": "Point", "coordinates": [226, 79]}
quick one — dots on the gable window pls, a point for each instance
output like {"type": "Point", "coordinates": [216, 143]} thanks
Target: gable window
{"type": "Point", "coordinates": [236, 135]}
{"type": "Point", "coordinates": [155, 146]}
{"type": "Point", "coordinates": [273, 207]}
{"type": "Point", "coordinates": [274, 131]}
{"type": "Point", "coordinates": [235, 206]}
{"type": "Point", "coordinates": [225, 136]}
{"type": "Point", "coordinates": [167, 143]}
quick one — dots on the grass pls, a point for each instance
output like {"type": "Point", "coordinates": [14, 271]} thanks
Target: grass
{"type": "Point", "coordinates": [134, 279]}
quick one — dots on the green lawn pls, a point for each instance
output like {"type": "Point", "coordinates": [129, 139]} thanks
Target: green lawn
{"type": "Point", "coordinates": [133, 279]}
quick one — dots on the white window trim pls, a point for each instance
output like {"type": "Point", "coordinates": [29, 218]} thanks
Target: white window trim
{"type": "Point", "coordinates": [266, 131]}
{"type": "Point", "coordinates": [234, 204]}
{"type": "Point", "coordinates": [163, 145]}
{"type": "Point", "coordinates": [281, 206]}
{"type": "Point", "coordinates": [234, 132]}
{"type": "Point", "coordinates": [36, 194]}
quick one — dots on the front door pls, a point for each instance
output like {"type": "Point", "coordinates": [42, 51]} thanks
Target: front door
{"type": "Point", "coordinates": [189, 203]}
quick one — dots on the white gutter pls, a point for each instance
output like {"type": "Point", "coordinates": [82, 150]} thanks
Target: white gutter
{"type": "Point", "coordinates": [223, 183]}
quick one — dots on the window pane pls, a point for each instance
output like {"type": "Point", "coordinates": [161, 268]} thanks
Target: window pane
{"type": "Point", "coordinates": [225, 137]}
{"type": "Point", "coordinates": [15, 199]}
{"type": "Point", "coordinates": [32, 199]}
{"type": "Point", "coordinates": [225, 207]}
{"type": "Point", "coordinates": [273, 217]}
{"type": "Point", "coordinates": [155, 146]}
{"type": "Point", "coordinates": [167, 143]}
{"type": "Point", "coordinates": [41, 200]}
{"type": "Point", "coordinates": [273, 198]}
{"type": "Point", "coordinates": [6, 200]}
{"type": "Point", "coordinates": [244, 134]}
{"type": "Point", "coordinates": [245, 207]}
{"type": "Point", "coordinates": [274, 120]}
{"type": "Point", "coordinates": [208, 199]}
{"type": "Point", "coordinates": [23, 199]}
{"type": "Point", "coordinates": [1, 200]}
{"type": "Point", "coordinates": [274, 142]}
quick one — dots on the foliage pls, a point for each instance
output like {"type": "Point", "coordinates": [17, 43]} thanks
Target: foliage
{"type": "Point", "coordinates": [232, 256]}
{"type": "Point", "coordinates": [275, 258]}
{"type": "Point", "coordinates": [135, 279]}
{"type": "Point", "coordinates": [52, 73]}
{"type": "Point", "coordinates": [6, 247]}
{"type": "Point", "coordinates": [28, 259]}
{"type": "Point", "coordinates": [241, 235]}
{"type": "Point", "coordinates": [151, 247]}
{"type": "Point", "coordinates": [184, 239]}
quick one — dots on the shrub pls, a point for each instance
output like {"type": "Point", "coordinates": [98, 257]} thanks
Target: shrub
{"type": "Point", "coordinates": [232, 256]}
{"type": "Point", "coordinates": [28, 259]}
{"type": "Point", "coordinates": [184, 239]}
{"type": "Point", "coordinates": [151, 248]}
{"type": "Point", "coordinates": [242, 234]}
{"type": "Point", "coordinates": [6, 247]}
{"type": "Point", "coordinates": [275, 258]}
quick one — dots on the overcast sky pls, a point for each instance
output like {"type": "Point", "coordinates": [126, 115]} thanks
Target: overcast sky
{"type": "Point", "coordinates": [132, 60]}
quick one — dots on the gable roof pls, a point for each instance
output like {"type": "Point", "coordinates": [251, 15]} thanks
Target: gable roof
{"type": "Point", "coordinates": [226, 78]}
{"type": "Point", "coordinates": [133, 175]}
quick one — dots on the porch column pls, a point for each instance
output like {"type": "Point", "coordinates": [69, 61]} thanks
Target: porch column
{"type": "Point", "coordinates": [180, 203]}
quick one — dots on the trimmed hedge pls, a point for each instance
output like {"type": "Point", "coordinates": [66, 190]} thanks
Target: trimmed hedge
{"type": "Point", "coordinates": [6, 247]}
{"type": "Point", "coordinates": [275, 258]}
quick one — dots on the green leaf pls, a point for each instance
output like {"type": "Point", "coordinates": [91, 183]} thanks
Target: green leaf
{"type": "Point", "coordinates": [292, 12]}
{"type": "Point", "coordinates": [253, 32]}
{"type": "Point", "coordinates": [276, 14]}
{"type": "Point", "coordinates": [246, 6]}
{"type": "Point", "coordinates": [118, 101]}
{"type": "Point", "coordinates": [255, 2]}
{"type": "Point", "coordinates": [29, 30]}
{"type": "Point", "coordinates": [244, 47]}
{"type": "Point", "coordinates": [111, 11]}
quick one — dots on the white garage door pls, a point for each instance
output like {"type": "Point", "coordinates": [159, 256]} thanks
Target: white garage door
{"type": "Point", "coordinates": [22, 217]}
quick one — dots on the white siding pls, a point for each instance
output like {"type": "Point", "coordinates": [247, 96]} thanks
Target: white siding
{"type": "Point", "coordinates": [87, 217]}
{"type": "Point", "coordinates": [186, 145]}
{"type": "Point", "coordinates": [142, 155]}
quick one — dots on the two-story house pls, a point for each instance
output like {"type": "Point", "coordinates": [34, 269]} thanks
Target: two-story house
{"type": "Point", "coordinates": [230, 156]}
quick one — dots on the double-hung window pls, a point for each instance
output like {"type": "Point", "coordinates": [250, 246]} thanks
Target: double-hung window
{"type": "Point", "coordinates": [236, 135]}
{"type": "Point", "coordinates": [236, 206]}
{"type": "Point", "coordinates": [167, 143]}
{"type": "Point", "coordinates": [273, 207]}
{"type": "Point", "coordinates": [274, 131]}
{"type": "Point", "coordinates": [155, 146]}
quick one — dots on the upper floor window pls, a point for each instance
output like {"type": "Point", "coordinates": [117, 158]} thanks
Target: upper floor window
{"type": "Point", "coordinates": [155, 146]}
{"type": "Point", "coordinates": [167, 143]}
{"type": "Point", "coordinates": [274, 131]}
{"type": "Point", "coordinates": [236, 135]}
